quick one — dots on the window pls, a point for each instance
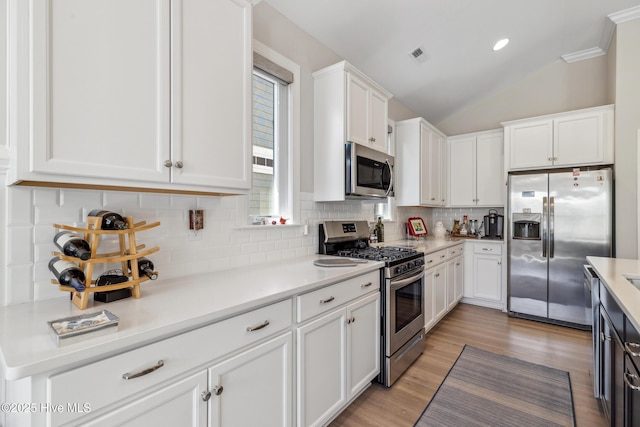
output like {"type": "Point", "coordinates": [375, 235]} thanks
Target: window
{"type": "Point", "coordinates": [275, 137]}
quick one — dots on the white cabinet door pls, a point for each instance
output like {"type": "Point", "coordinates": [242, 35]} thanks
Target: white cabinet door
{"type": "Point", "coordinates": [429, 300]}
{"type": "Point", "coordinates": [458, 272]}
{"type": "Point", "coordinates": [490, 186]}
{"type": "Point", "coordinates": [254, 387]}
{"type": "Point", "coordinates": [100, 89]}
{"type": "Point", "coordinates": [157, 96]}
{"type": "Point", "coordinates": [321, 368]}
{"type": "Point", "coordinates": [435, 169]}
{"type": "Point", "coordinates": [357, 110]}
{"type": "Point", "coordinates": [487, 271]}
{"type": "Point", "coordinates": [178, 404]}
{"type": "Point", "coordinates": [451, 285]}
{"type": "Point", "coordinates": [579, 139]}
{"type": "Point", "coordinates": [530, 144]}
{"type": "Point", "coordinates": [363, 343]}
{"type": "Point", "coordinates": [211, 93]}
{"type": "Point", "coordinates": [426, 196]}
{"type": "Point", "coordinates": [440, 291]}
{"type": "Point", "coordinates": [462, 172]}
{"type": "Point", "coordinates": [378, 112]}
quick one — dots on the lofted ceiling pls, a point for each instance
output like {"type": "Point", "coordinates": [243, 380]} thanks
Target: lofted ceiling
{"type": "Point", "coordinates": [459, 67]}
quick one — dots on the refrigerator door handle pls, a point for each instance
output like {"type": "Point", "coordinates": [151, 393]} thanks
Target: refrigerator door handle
{"type": "Point", "coordinates": [551, 226]}
{"type": "Point", "coordinates": [545, 205]}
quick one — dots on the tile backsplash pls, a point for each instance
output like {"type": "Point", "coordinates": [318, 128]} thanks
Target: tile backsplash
{"type": "Point", "coordinates": [226, 241]}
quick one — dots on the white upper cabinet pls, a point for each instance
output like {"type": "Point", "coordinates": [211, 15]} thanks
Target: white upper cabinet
{"type": "Point", "coordinates": [348, 107]}
{"type": "Point", "coordinates": [366, 114]}
{"type": "Point", "coordinates": [575, 138]}
{"type": "Point", "coordinates": [420, 164]}
{"type": "Point", "coordinates": [148, 94]}
{"type": "Point", "coordinates": [475, 169]}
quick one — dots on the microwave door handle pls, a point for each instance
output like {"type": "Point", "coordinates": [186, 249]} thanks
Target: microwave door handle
{"type": "Point", "coordinates": [390, 178]}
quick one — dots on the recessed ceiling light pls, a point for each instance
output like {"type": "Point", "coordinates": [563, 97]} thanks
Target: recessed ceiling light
{"type": "Point", "coordinates": [500, 44]}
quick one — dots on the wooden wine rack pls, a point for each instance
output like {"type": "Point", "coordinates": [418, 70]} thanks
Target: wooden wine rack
{"type": "Point", "coordinates": [129, 251]}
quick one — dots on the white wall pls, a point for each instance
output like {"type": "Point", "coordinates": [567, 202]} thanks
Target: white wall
{"type": "Point", "coordinates": [555, 88]}
{"type": "Point", "coordinates": [627, 124]}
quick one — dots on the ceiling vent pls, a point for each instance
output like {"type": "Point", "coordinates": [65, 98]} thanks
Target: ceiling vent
{"type": "Point", "coordinates": [418, 55]}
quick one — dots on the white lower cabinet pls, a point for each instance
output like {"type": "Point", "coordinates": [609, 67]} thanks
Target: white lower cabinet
{"type": "Point", "coordinates": [180, 404]}
{"type": "Point", "coordinates": [254, 387]}
{"type": "Point", "coordinates": [455, 281]}
{"type": "Point", "coordinates": [235, 372]}
{"type": "Point", "coordinates": [443, 283]}
{"type": "Point", "coordinates": [485, 274]}
{"type": "Point", "coordinates": [440, 291]}
{"type": "Point", "coordinates": [338, 356]}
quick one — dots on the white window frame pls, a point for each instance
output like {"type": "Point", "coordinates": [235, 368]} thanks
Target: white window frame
{"type": "Point", "coordinates": [292, 199]}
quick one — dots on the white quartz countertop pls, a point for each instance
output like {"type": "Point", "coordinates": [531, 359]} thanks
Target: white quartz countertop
{"type": "Point", "coordinates": [612, 272]}
{"type": "Point", "coordinates": [166, 308]}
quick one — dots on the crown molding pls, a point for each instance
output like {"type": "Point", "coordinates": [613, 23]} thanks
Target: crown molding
{"type": "Point", "coordinates": [612, 20]}
{"type": "Point", "coordinates": [583, 54]}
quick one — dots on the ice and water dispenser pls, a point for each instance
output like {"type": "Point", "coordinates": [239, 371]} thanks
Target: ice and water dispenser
{"type": "Point", "coordinates": [526, 226]}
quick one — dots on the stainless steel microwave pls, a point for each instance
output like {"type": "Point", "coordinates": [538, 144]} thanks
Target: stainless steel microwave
{"type": "Point", "coordinates": [368, 173]}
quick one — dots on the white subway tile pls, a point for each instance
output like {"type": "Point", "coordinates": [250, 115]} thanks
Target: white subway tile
{"type": "Point", "coordinates": [20, 210]}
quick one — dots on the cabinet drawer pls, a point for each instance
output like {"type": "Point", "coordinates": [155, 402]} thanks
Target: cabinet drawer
{"type": "Point", "coordinates": [102, 383]}
{"type": "Point", "coordinates": [321, 300]}
{"type": "Point", "coordinates": [435, 258]}
{"type": "Point", "coordinates": [455, 251]}
{"type": "Point", "coordinates": [488, 249]}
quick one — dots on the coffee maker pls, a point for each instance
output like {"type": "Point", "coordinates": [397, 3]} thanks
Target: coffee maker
{"type": "Point", "coordinates": [493, 225]}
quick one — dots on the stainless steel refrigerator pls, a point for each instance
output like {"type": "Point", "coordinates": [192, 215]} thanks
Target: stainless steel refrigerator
{"type": "Point", "coordinates": [555, 220]}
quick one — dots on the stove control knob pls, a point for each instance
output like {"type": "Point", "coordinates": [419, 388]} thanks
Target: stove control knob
{"type": "Point", "coordinates": [399, 269]}
{"type": "Point", "coordinates": [419, 262]}
{"type": "Point", "coordinates": [411, 264]}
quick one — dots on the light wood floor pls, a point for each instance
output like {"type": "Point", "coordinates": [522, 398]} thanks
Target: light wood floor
{"type": "Point", "coordinates": [555, 346]}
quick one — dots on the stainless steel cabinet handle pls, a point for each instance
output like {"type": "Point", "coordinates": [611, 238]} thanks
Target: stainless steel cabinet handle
{"type": "Point", "coordinates": [433, 198]}
{"type": "Point", "coordinates": [351, 320]}
{"type": "Point", "coordinates": [129, 376]}
{"type": "Point", "coordinates": [457, 263]}
{"type": "Point", "coordinates": [429, 261]}
{"type": "Point", "coordinates": [628, 346]}
{"type": "Point", "coordinates": [604, 338]}
{"type": "Point", "coordinates": [178, 165]}
{"type": "Point", "coordinates": [205, 395]}
{"type": "Point", "coordinates": [366, 285]}
{"type": "Point", "coordinates": [488, 249]}
{"type": "Point", "coordinates": [443, 256]}
{"type": "Point", "coordinates": [628, 378]}
{"type": "Point", "coordinates": [436, 275]}
{"type": "Point", "coordinates": [168, 163]}
{"type": "Point", "coordinates": [217, 390]}
{"type": "Point", "coordinates": [257, 328]}
{"type": "Point", "coordinates": [324, 301]}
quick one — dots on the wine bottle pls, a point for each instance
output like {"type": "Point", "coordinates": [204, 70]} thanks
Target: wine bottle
{"type": "Point", "coordinates": [110, 220]}
{"type": "Point", "coordinates": [68, 274]}
{"type": "Point", "coordinates": [145, 267]}
{"type": "Point", "coordinates": [72, 245]}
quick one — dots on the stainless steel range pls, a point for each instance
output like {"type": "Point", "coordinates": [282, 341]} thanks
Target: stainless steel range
{"type": "Point", "coordinates": [402, 292]}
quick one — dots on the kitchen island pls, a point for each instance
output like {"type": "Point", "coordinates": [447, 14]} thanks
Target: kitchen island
{"type": "Point", "coordinates": [612, 272]}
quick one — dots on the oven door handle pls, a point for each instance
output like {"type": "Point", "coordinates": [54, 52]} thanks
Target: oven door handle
{"type": "Point", "coordinates": [403, 282]}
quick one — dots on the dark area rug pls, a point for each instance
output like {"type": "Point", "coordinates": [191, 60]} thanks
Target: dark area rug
{"type": "Point", "coordinates": [488, 389]}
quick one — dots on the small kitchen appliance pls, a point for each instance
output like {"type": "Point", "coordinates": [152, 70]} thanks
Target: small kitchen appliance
{"type": "Point", "coordinates": [401, 293]}
{"type": "Point", "coordinates": [493, 225]}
